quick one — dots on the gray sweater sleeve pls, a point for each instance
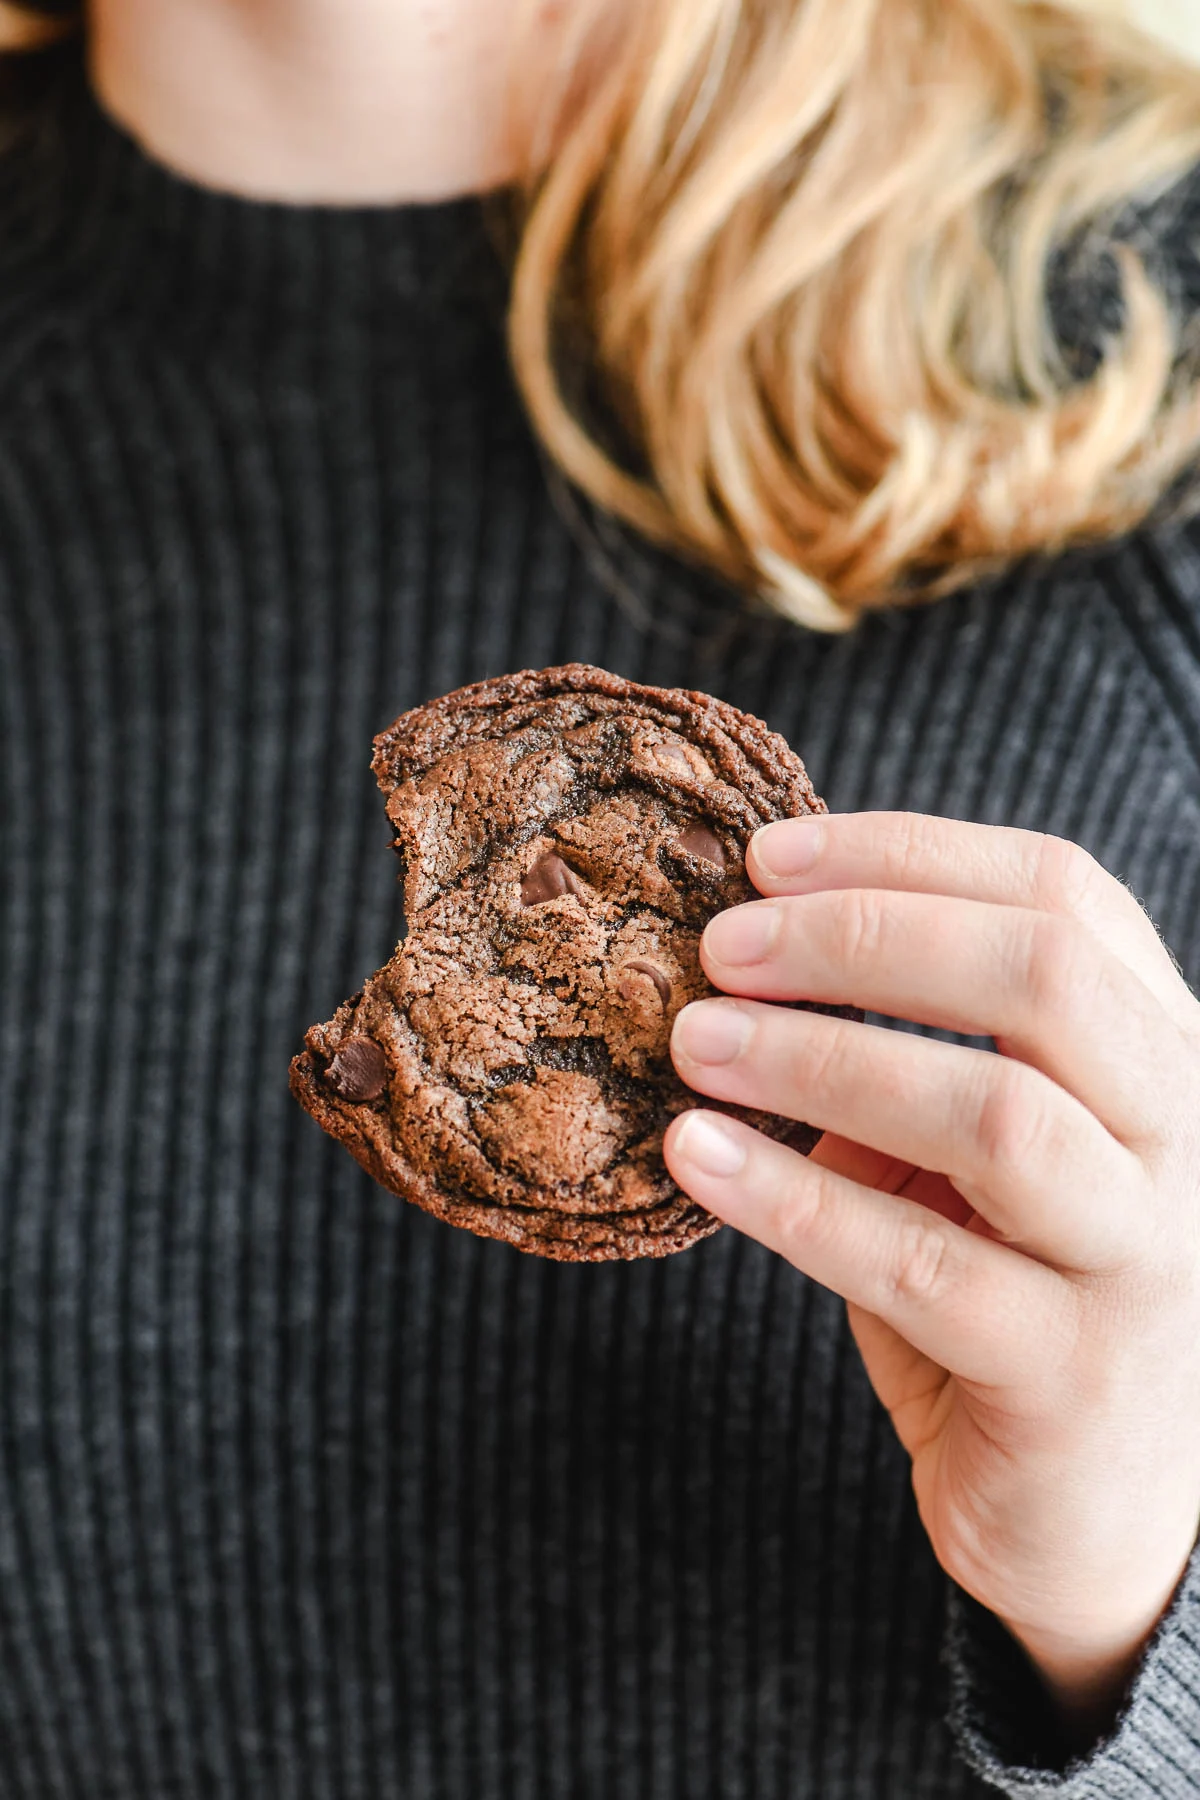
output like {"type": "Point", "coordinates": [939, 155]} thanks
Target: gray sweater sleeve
{"type": "Point", "coordinates": [1006, 1729]}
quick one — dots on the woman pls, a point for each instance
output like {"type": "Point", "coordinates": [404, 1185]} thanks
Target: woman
{"type": "Point", "coordinates": [864, 331]}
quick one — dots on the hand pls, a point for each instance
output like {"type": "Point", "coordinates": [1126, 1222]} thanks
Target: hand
{"type": "Point", "coordinates": [1017, 1235]}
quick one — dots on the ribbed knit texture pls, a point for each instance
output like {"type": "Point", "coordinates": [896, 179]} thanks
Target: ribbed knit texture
{"type": "Point", "coordinates": [303, 1494]}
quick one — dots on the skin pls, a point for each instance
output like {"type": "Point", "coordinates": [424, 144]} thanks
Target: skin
{"type": "Point", "coordinates": [1017, 1236]}
{"type": "Point", "coordinates": [338, 101]}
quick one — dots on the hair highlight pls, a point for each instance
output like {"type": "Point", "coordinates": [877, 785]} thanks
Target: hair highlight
{"type": "Point", "coordinates": [801, 249]}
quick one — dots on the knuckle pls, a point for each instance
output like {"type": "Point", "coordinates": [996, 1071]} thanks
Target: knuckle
{"type": "Point", "coordinates": [804, 1216]}
{"type": "Point", "coordinates": [1067, 878]}
{"type": "Point", "coordinates": [859, 926]}
{"type": "Point", "coordinates": [1010, 1124]}
{"type": "Point", "coordinates": [1051, 972]}
{"type": "Point", "coordinates": [921, 1273]}
{"type": "Point", "coordinates": [1069, 882]}
{"type": "Point", "coordinates": [904, 849]}
{"type": "Point", "coordinates": [821, 1062]}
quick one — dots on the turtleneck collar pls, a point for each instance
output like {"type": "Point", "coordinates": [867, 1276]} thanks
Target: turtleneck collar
{"type": "Point", "coordinates": [113, 228]}
{"type": "Point", "coordinates": [90, 222]}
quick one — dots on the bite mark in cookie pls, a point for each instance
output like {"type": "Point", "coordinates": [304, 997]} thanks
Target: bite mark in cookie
{"type": "Point", "coordinates": [566, 836]}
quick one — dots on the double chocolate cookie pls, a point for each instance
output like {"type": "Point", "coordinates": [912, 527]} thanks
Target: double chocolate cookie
{"type": "Point", "coordinates": [566, 836]}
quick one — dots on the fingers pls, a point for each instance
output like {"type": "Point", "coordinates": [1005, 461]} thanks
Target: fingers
{"type": "Point", "coordinates": [975, 1307]}
{"type": "Point", "coordinates": [1042, 986]}
{"type": "Point", "coordinates": [920, 853]}
{"type": "Point", "coordinates": [1010, 1141]}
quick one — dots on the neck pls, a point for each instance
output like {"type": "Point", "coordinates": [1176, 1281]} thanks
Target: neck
{"type": "Point", "coordinates": [319, 101]}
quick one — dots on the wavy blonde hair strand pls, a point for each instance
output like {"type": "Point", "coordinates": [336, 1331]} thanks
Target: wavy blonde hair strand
{"type": "Point", "coordinates": [802, 248]}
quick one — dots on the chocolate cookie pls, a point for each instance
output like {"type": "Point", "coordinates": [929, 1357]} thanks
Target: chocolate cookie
{"type": "Point", "coordinates": [566, 836]}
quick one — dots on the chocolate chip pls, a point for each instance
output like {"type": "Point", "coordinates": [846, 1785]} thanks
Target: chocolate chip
{"type": "Point", "coordinates": [699, 841]}
{"type": "Point", "coordinates": [677, 753]}
{"type": "Point", "coordinates": [549, 877]}
{"type": "Point", "coordinates": [358, 1071]}
{"type": "Point", "coordinates": [657, 977]}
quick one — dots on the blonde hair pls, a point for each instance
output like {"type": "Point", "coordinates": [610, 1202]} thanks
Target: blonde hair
{"type": "Point", "coordinates": [801, 250]}
{"type": "Point", "coordinates": [781, 292]}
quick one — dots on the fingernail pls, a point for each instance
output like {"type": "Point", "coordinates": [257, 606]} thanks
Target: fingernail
{"type": "Point", "coordinates": [712, 1031]}
{"type": "Point", "coordinates": [789, 847]}
{"type": "Point", "coordinates": [709, 1145]}
{"type": "Point", "coordinates": [744, 934]}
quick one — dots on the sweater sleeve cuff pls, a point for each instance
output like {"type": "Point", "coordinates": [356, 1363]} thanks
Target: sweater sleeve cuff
{"type": "Point", "coordinates": [1006, 1729]}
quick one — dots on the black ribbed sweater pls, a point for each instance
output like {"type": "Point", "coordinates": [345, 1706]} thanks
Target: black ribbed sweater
{"type": "Point", "coordinates": [301, 1492]}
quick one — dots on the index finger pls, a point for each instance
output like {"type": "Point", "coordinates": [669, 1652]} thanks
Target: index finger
{"type": "Point", "coordinates": [924, 854]}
